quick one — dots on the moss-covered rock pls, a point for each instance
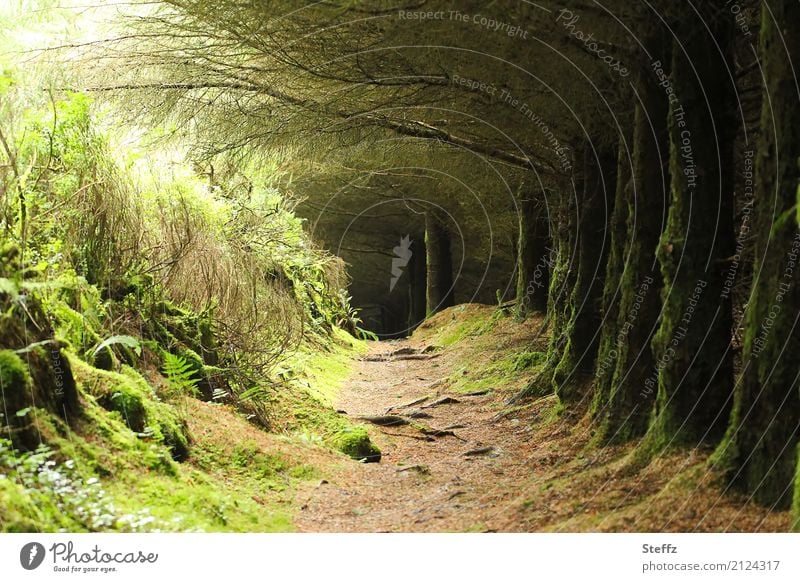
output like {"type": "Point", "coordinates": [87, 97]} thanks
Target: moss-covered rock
{"type": "Point", "coordinates": [355, 443]}
{"type": "Point", "coordinates": [13, 373]}
{"type": "Point", "coordinates": [116, 393]}
{"type": "Point", "coordinates": [129, 394]}
{"type": "Point", "coordinates": [42, 379]}
{"type": "Point", "coordinates": [16, 387]}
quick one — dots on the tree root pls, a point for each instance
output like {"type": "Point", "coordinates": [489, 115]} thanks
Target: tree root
{"type": "Point", "coordinates": [386, 420]}
{"type": "Point", "coordinates": [444, 400]}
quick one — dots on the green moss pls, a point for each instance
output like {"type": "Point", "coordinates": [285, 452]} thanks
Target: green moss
{"type": "Point", "coordinates": [526, 360]}
{"type": "Point", "coordinates": [128, 394]}
{"type": "Point", "coordinates": [304, 472]}
{"type": "Point", "coordinates": [16, 385]}
{"type": "Point", "coordinates": [114, 392]}
{"type": "Point", "coordinates": [355, 443]}
{"type": "Point", "coordinates": [72, 327]}
{"type": "Point", "coordinates": [193, 501]}
{"type": "Point", "coordinates": [163, 420]}
{"type": "Point", "coordinates": [796, 505]}
{"type": "Point", "coordinates": [249, 456]}
{"type": "Point", "coordinates": [471, 326]}
{"type": "Point", "coordinates": [14, 376]}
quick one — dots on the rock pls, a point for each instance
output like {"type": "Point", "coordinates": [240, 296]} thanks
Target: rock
{"type": "Point", "coordinates": [355, 443]}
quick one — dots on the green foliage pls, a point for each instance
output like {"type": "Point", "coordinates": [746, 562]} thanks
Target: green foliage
{"type": "Point", "coordinates": [129, 395]}
{"type": "Point", "coordinates": [180, 374]}
{"type": "Point", "coordinates": [42, 494]}
{"type": "Point", "coordinates": [125, 340]}
{"type": "Point", "coordinates": [137, 264]}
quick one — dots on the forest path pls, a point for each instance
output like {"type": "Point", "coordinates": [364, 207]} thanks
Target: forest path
{"type": "Point", "coordinates": [423, 482]}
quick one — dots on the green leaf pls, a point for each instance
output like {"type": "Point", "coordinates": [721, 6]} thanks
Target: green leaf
{"type": "Point", "coordinates": [125, 340]}
{"type": "Point", "coordinates": [33, 346]}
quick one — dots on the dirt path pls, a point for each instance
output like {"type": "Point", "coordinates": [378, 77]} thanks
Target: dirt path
{"type": "Point", "coordinates": [542, 472]}
{"type": "Point", "coordinates": [420, 485]}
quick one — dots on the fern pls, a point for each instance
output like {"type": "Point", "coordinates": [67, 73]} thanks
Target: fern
{"type": "Point", "coordinates": [365, 334]}
{"type": "Point", "coordinates": [179, 374]}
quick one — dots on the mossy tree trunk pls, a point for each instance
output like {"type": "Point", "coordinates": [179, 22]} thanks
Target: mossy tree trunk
{"type": "Point", "coordinates": [561, 279]}
{"type": "Point", "coordinates": [532, 258]}
{"type": "Point", "coordinates": [761, 446]}
{"type": "Point", "coordinates": [626, 365]}
{"type": "Point", "coordinates": [692, 344]}
{"type": "Point", "coordinates": [439, 279]}
{"type": "Point", "coordinates": [607, 349]}
{"type": "Point", "coordinates": [581, 331]}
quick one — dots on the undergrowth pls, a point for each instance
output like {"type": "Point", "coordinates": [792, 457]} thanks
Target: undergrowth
{"type": "Point", "coordinates": [129, 293]}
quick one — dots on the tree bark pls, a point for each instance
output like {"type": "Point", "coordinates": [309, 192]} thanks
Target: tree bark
{"type": "Point", "coordinates": [623, 401]}
{"type": "Point", "coordinates": [759, 453]}
{"type": "Point", "coordinates": [439, 264]}
{"type": "Point", "coordinates": [582, 326]}
{"type": "Point", "coordinates": [532, 258]}
{"type": "Point", "coordinates": [608, 344]}
{"type": "Point", "coordinates": [692, 344]}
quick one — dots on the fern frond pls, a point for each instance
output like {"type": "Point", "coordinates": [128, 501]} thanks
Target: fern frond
{"type": "Point", "coordinates": [180, 374]}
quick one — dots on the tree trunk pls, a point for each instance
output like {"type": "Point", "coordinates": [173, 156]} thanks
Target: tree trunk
{"type": "Point", "coordinates": [440, 265]}
{"type": "Point", "coordinates": [417, 286]}
{"type": "Point", "coordinates": [532, 253]}
{"type": "Point", "coordinates": [608, 346]}
{"type": "Point", "coordinates": [623, 399]}
{"type": "Point", "coordinates": [759, 452]}
{"type": "Point", "coordinates": [561, 280]}
{"type": "Point", "coordinates": [692, 344]}
{"type": "Point", "coordinates": [582, 326]}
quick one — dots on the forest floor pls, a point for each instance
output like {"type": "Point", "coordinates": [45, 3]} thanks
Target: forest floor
{"type": "Point", "coordinates": [533, 469]}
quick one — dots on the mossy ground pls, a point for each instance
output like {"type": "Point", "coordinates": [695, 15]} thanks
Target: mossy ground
{"type": "Point", "coordinates": [490, 343]}
{"type": "Point", "coordinates": [144, 459]}
{"type": "Point", "coordinates": [305, 409]}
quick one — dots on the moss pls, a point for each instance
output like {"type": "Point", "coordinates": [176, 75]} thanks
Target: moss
{"type": "Point", "coordinates": [17, 391]}
{"type": "Point", "coordinates": [72, 327]}
{"type": "Point", "coordinates": [162, 420]}
{"type": "Point", "coordinates": [458, 323]}
{"type": "Point", "coordinates": [355, 443]}
{"type": "Point", "coordinates": [129, 394]}
{"type": "Point", "coordinates": [116, 393]}
{"type": "Point", "coordinates": [796, 505]}
{"type": "Point", "coordinates": [194, 501]}
{"type": "Point", "coordinates": [10, 254]}
{"type": "Point", "coordinates": [14, 375]}
{"type": "Point", "coordinates": [526, 360]}
{"type": "Point", "coordinates": [304, 472]}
